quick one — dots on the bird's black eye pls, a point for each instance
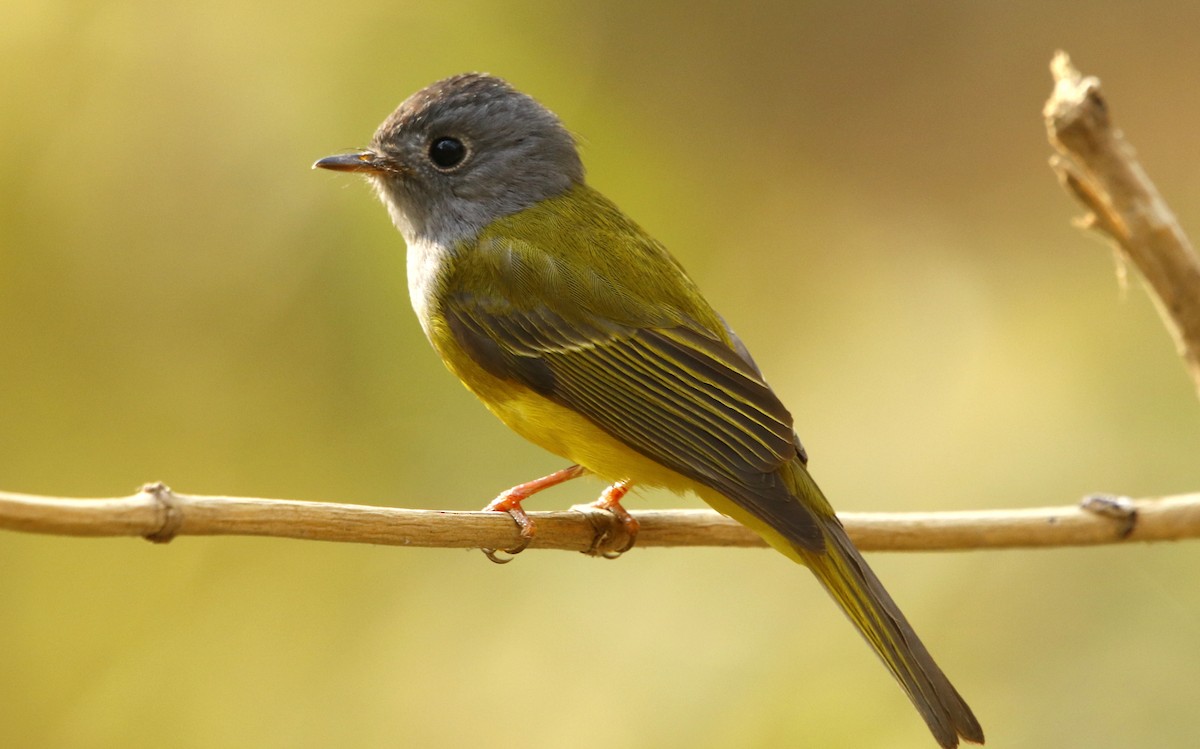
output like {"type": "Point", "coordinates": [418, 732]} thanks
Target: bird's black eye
{"type": "Point", "coordinates": [447, 153]}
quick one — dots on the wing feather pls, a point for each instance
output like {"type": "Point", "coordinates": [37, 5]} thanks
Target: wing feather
{"type": "Point", "coordinates": [678, 395]}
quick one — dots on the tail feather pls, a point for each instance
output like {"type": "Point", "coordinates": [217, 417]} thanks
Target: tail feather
{"type": "Point", "coordinates": [844, 573]}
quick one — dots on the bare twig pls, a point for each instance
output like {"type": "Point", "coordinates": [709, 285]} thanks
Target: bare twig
{"type": "Point", "coordinates": [1100, 168]}
{"type": "Point", "coordinates": [159, 514]}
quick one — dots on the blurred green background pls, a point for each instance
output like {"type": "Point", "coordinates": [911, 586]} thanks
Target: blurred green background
{"type": "Point", "coordinates": [860, 187]}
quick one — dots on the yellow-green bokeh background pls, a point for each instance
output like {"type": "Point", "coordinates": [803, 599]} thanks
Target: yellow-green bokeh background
{"type": "Point", "coordinates": [860, 187]}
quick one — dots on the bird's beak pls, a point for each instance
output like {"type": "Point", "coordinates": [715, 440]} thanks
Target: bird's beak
{"type": "Point", "coordinates": [361, 161]}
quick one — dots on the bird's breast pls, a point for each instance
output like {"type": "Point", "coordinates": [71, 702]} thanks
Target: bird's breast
{"type": "Point", "coordinates": [427, 267]}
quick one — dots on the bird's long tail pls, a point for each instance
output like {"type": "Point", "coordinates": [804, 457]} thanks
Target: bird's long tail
{"type": "Point", "coordinates": [845, 574]}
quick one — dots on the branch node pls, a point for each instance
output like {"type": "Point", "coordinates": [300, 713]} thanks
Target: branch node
{"type": "Point", "coordinates": [1121, 509]}
{"type": "Point", "coordinates": [1100, 216]}
{"type": "Point", "coordinates": [170, 508]}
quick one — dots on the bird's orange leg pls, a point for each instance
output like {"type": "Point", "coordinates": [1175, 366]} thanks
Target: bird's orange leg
{"type": "Point", "coordinates": [510, 502]}
{"type": "Point", "coordinates": [610, 501]}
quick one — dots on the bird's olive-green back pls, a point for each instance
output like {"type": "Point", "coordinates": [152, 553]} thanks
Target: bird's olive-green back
{"type": "Point", "coordinates": [580, 256]}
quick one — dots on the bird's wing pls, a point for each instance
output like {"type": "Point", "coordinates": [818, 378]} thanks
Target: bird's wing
{"type": "Point", "coordinates": [677, 394]}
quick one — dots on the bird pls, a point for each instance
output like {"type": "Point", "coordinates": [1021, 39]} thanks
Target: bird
{"type": "Point", "coordinates": [584, 335]}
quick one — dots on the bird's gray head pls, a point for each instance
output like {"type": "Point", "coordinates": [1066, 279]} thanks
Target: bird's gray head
{"type": "Point", "coordinates": [461, 153]}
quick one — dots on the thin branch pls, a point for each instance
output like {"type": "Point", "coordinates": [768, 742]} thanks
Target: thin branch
{"type": "Point", "coordinates": [1097, 165]}
{"type": "Point", "coordinates": [158, 514]}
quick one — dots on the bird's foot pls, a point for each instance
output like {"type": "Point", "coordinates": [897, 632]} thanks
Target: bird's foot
{"type": "Point", "coordinates": [610, 503]}
{"type": "Point", "coordinates": [510, 502]}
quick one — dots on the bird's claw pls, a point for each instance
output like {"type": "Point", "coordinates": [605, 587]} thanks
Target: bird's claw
{"type": "Point", "coordinates": [510, 502]}
{"type": "Point", "coordinates": [524, 525]}
{"type": "Point", "coordinates": [494, 554]}
{"type": "Point", "coordinates": [601, 515]}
